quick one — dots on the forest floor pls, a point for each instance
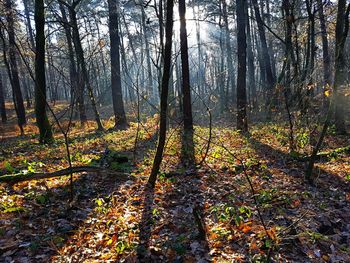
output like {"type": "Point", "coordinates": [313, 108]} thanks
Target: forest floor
{"type": "Point", "coordinates": [205, 214]}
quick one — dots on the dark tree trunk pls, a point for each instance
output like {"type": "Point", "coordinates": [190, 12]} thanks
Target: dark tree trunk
{"type": "Point", "coordinates": [40, 82]}
{"type": "Point", "coordinates": [188, 146]}
{"type": "Point", "coordinates": [73, 74]}
{"type": "Point", "coordinates": [28, 23]}
{"type": "Point", "coordinates": [242, 123]}
{"type": "Point", "coordinates": [118, 105]}
{"type": "Point", "coordinates": [340, 75]}
{"type": "Point", "coordinates": [270, 80]}
{"type": "Point", "coordinates": [325, 47]}
{"type": "Point", "coordinates": [310, 53]}
{"type": "Point", "coordinates": [85, 80]}
{"type": "Point", "coordinates": [13, 68]}
{"type": "Point", "coordinates": [2, 101]}
{"type": "Point", "coordinates": [164, 93]}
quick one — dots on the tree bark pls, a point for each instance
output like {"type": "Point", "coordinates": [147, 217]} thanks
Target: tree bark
{"type": "Point", "coordinates": [270, 80]}
{"type": "Point", "coordinates": [2, 101]}
{"type": "Point", "coordinates": [250, 62]}
{"type": "Point", "coordinates": [118, 105]}
{"type": "Point", "coordinates": [14, 77]}
{"type": "Point", "coordinates": [325, 46]}
{"type": "Point", "coordinates": [231, 73]}
{"type": "Point", "coordinates": [77, 91]}
{"type": "Point", "coordinates": [85, 80]}
{"type": "Point", "coordinates": [164, 93]}
{"type": "Point", "coordinates": [28, 23]}
{"type": "Point", "coordinates": [40, 81]}
{"type": "Point", "coordinates": [242, 123]}
{"type": "Point", "coordinates": [187, 141]}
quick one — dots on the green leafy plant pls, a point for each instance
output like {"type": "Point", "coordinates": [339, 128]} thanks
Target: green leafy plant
{"type": "Point", "coordinates": [9, 167]}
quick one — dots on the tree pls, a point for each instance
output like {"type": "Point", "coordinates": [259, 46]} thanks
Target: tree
{"type": "Point", "coordinates": [12, 67]}
{"type": "Point", "coordinates": [26, 4]}
{"type": "Point", "coordinates": [231, 73]}
{"type": "Point", "coordinates": [250, 62]}
{"type": "Point", "coordinates": [164, 93]}
{"type": "Point", "coordinates": [242, 123]}
{"type": "Point", "coordinates": [340, 80]}
{"type": "Point", "coordinates": [188, 146]}
{"type": "Point", "coordinates": [267, 69]}
{"type": "Point", "coordinates": [40, 81]}
{"type": "Point", "coordinates": [325, 47]}
{"type": "Point", "coordinates": [75, 90]}
{"type": "Point", "coordinates": [340, 75]}
{"type": "Point", "coordinates": [117, 97]}
{"type": "Point", "coordinates": [84, 79]}
{"type": "Point", "coordinates": [2, 101]}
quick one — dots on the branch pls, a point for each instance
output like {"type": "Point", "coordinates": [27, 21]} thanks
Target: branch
{"type": "Point", "coordinates": [16, 178]}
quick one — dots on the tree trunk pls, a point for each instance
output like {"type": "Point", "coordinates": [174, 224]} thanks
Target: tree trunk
{"type": "Point", "coordinates": [13, 68]}
{"type": "Point", "coordinates": [187, 141]}
{"type": "Point", "coordinates": [77, 91]}
{"type": "Point", "coordinates": [164, 93]}
{"type": "Point", "coordinates": [151, 86]}
{"type": "Point", "coordinates": [118, 105]}
{"type": "Point", "coordinates": [242, 123]}
{"type": "Point", "coordinates": [250, 61]}
{"type": "Point", "coordinates": [82, 66]}
{"type": "Point", "coordinates": [2, 101]}
{"type": "Point", "coordinates": [231, 73]}
{"type": "Point", "coordinates": [28, 23]}
{"type": "Point", "coordinates": [40, 81]}
{"type": "Point", "coordinates": [270, 80]}
{"type": "Point", "coordinates": [325, 47]}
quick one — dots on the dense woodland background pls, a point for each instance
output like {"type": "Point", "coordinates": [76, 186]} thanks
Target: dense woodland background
{"type": "Point", "coordinates": [174, 131]}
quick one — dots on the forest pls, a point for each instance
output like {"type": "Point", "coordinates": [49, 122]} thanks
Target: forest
{"type": "Point", "coordinates": [174, 131]}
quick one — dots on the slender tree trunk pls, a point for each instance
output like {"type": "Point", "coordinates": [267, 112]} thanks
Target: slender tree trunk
{"type": "Point", "coordinates": [118, 105]}
{"type": "Point", "coordinates": [151, 86]}
{"type": "Point", "coordinates": [325, 46]}
{"type": "Point", "coordinates": [222, 73]}
{"type": "Point", "coordinates": [28, 23]}
{"type": "Point", "coordinates": [270, 40]}
{"type": "Point", "coordinates": [2, 101]}
{"type": "Point", "coordinates": [250, 61]}
{"type": "Point", "coordinates": [164, 93]}
{"type": "Point", "coordinates": [270, 80]}
{"type": "Point", "coordinates": [85, 80]}
{"type": "Point", "coordinates": [242, 123]}
{"type": "Point", "coordinates": [77, 91]}
{"type": "Point", "coordinates": [231, 72]}
{"type": "Point", "coordinates": [13, 68]}
{"type": "Point", "coordinates": [40, 82]}
{"type": "Point", "coordinates": [188, 146]}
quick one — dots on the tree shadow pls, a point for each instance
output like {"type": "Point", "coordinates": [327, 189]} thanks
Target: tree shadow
{"type": "Point", "coordinates": [169, 230]}
{"type": "Point", "coordinates": [47, 221]}
{"type": "Point", "coordinates": [321, 209]}
{"type": "Point", "coordinates": [278, 159]}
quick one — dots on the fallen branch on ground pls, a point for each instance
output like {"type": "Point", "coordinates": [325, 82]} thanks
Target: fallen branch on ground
{"type": "Point", "coordinates": [16, 178]}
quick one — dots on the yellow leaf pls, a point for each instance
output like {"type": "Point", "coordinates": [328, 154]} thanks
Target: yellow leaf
{"type": "Point", "coordinates": [327, 93]}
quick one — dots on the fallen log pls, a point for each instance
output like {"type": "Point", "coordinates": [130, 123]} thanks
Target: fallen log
{"type": "Point", "coordinates": [16, 178]}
